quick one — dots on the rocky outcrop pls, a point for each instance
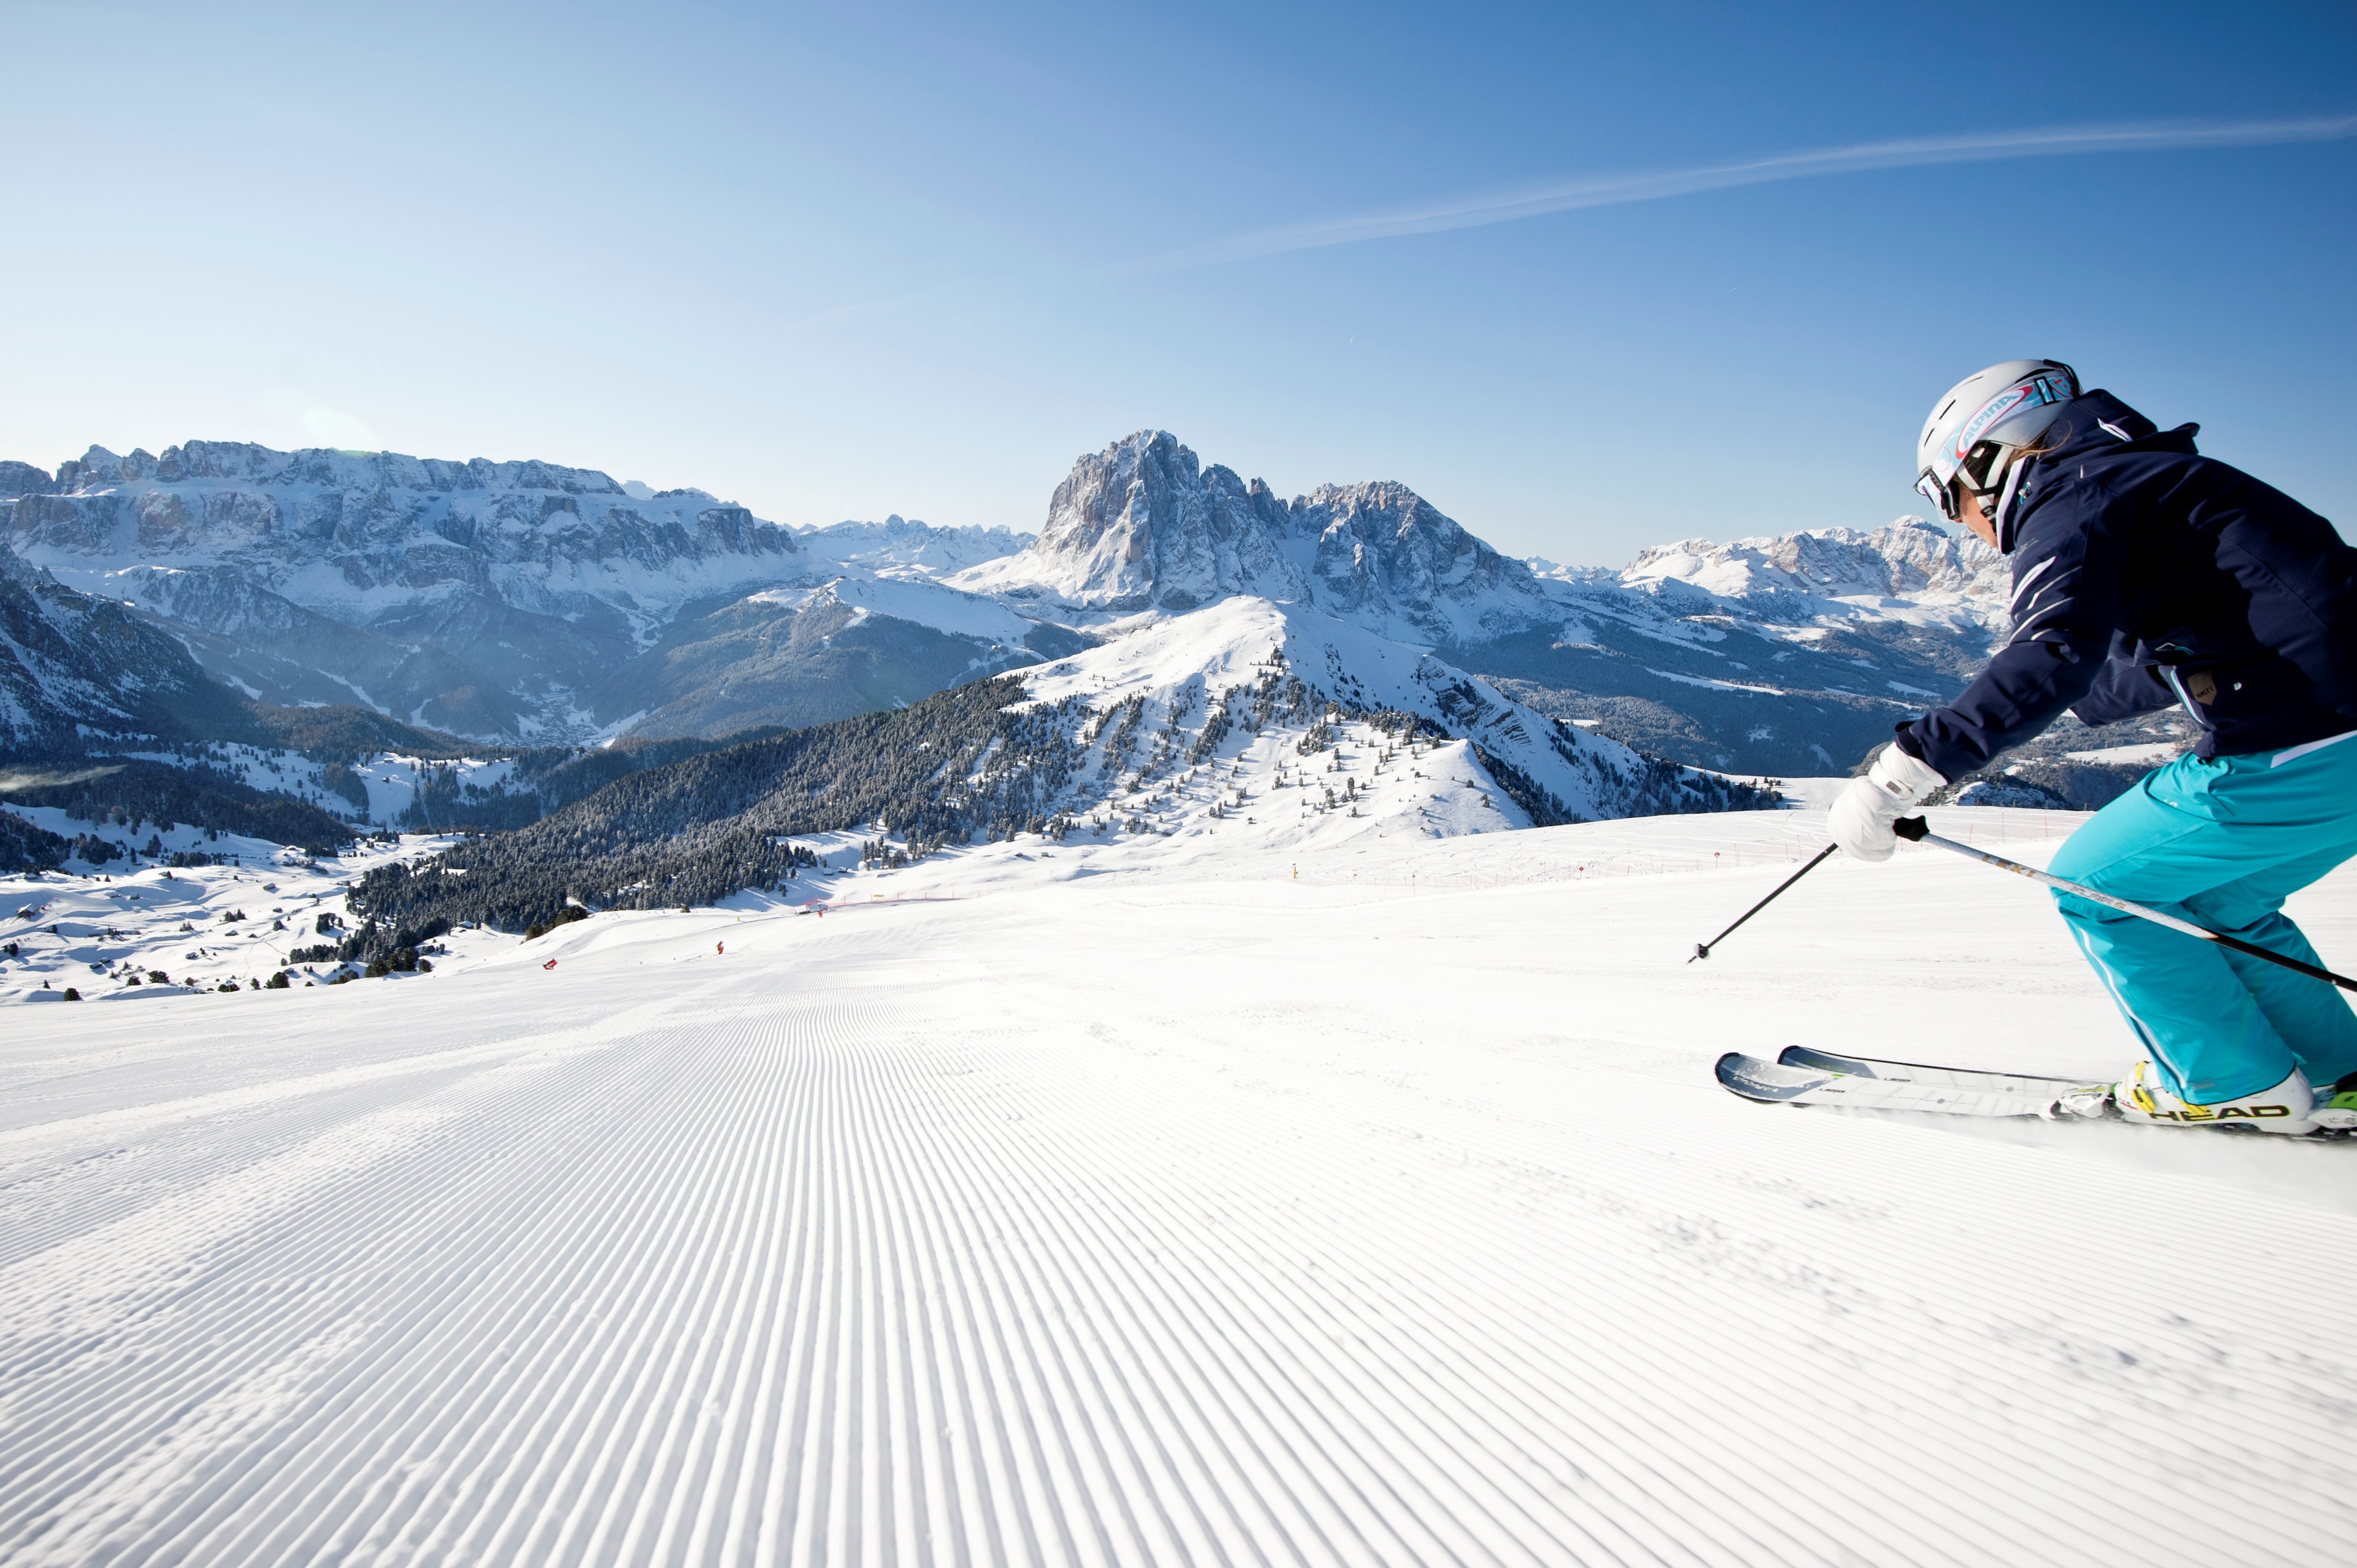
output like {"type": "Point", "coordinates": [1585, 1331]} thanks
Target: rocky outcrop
{"type": "Point", "coordinates": [1143, 527]}
{"type": "Point", "coordinates": [1387, 558]}
{"type": "Point", "coordinates": [23, 479]}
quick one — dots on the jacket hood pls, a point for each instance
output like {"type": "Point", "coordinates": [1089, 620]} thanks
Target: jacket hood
{"type": "Point", "coordinates": [2097, 419]}
{"type": "Point", "coordinates": [2097, 422]}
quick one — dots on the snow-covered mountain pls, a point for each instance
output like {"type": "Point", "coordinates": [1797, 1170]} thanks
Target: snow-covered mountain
{"type": "Point", "coordinates": [900, 546]}
{"type": "Point", "coordinates": [514, 601]}
{"type": "Point", "coordinates": [1143, 527]}
{"type": "Point", "coordinates": [481, 597]}
{"type": "Point", "coordinates": [1786, 655]}
{"type": "Point", "coordinates": [74, 666]}
{"type": "Point", "coordinates": [354, 536]}
{"type": "Point", "coordinates": [527, 602]}
{"type": "Point", "coordinates": [1246, 724]}
{"type": "Point", "coordinates": [1791, 654]}
{"type": "Point", "coordinates": [1910, 573]}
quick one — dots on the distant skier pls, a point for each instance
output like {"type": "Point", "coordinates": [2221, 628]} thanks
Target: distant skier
{"type": "Point", "coordinates": [2146, 575]}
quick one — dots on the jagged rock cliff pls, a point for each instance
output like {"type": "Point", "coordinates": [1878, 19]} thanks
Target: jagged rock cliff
{"type": "Point", "coordinates": [1144, 527]}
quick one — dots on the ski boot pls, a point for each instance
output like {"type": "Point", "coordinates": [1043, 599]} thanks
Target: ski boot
{"type": "Point", "coordinates": [2336, 1108]}
{"type": "Point", "coordinates": [2292, 1108]}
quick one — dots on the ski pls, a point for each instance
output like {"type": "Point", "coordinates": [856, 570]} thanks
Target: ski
{"type": "Point", "coordinates": [1782, 1083]}
{"type": "Point", "coordinates": [1801, 1076]}
{"type": "Point", "coordinates": [1923, 1072]}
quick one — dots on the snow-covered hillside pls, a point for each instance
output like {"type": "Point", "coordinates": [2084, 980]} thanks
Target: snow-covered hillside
{"type": "Point", "coordinates": [1189, 681]}
{"type": "Point", "coordinates": [378, 790]}
{"type": "Point", "coordinates": [915, 600]}
{"type": "Point", "coordinates": [1366, 1204]}
{"type": "Point", "coordinates": [150, 930]}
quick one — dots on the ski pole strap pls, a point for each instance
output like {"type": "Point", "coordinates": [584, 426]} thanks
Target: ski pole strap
{"type": "Point", "coordinates": [1702, 949]}
{"type": "Point", "coordinates": [1915, 829]}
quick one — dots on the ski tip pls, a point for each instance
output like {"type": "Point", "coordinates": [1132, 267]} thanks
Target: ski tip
{"type": "Point", "coordinates": [1770, 1083]}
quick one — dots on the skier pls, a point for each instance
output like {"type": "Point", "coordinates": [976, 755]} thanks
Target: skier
{"type": "Point", "coordinates": [2146, 575]}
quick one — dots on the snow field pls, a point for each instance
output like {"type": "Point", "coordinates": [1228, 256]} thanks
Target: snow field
{"type": "Point", "coordinates": [389, 779]}
{"type": "Point", "coordinates": [910, 597]}
{"type": "Point", "coordinates": [118, 921]}
{"type": "Point", "coordinates": [1181, 1215]}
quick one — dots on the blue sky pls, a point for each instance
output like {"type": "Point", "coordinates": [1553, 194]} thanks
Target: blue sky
{"type": "Point", "coordinates": [835, 261]}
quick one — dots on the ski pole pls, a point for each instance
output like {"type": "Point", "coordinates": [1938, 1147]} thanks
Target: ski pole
{"type": "Point", "coordinates": [1915, 829]}
{"type": "Point", "coordinates": [1702, 949]}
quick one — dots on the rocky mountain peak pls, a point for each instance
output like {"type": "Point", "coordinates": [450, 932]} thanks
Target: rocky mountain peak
{"type": "Point", "coordinates": [24, 479]}
{"type": "Point", "coordinates": [248, 463]}
{"type": "Point", "coordinates": [1144, 526]}
{"type": "Point", "coordinates": [1384, 553]}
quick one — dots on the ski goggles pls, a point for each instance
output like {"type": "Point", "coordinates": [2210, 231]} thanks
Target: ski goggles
{"type": "Point", "coordinates": [1979, 469]}
{"type": "Point", "coordinates": [1979, 460]}
{"type": "Point", "coordinates": [1942, 496]}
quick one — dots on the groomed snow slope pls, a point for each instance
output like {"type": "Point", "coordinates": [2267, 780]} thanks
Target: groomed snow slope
{"type": "Point", "coordinates": [1198, 1215]}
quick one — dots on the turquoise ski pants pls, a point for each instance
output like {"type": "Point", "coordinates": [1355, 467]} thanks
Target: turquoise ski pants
{"type": "Point", "coordinates": [2223, 844]}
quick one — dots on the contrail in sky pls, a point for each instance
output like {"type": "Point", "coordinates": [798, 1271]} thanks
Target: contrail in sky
{"type": "Point", "coordinates": [1472, 211]}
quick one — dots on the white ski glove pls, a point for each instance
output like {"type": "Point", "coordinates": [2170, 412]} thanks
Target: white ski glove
{"type": "Point", "coordinates": [1862, 817]}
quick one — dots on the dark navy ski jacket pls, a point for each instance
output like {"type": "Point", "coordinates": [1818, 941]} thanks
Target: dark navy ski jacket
{"type": "Point", "coordinates": [2146, 575]}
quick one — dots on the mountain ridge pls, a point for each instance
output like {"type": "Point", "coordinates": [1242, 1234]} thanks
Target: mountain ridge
{"type": "Point", "coordinates": [530, 603]}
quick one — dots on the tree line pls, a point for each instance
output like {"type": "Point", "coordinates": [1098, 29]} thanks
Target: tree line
{"type": "Point", "coordinates": [975, 763]}
{"type": "Point", "coordinates": [971, 763]}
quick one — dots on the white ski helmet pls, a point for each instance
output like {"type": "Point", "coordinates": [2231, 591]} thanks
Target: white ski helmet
{"type": "Point", "coordinates": [1979, 428]}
